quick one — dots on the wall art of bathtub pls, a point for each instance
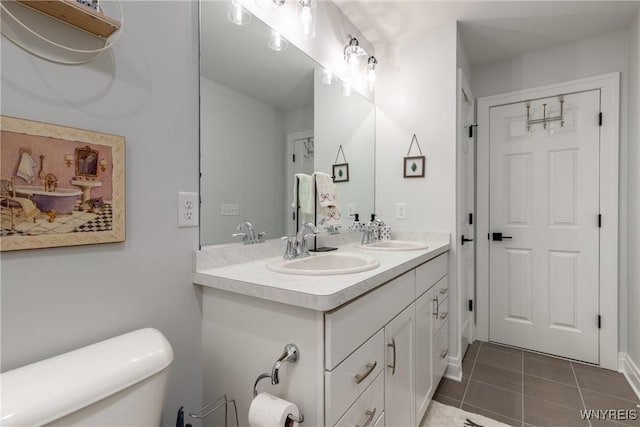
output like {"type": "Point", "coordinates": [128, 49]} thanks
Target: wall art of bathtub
{"type": "Point", "coordinates": [63, 200]}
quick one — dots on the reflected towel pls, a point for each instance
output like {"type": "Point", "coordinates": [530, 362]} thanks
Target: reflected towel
{"type": "Point", "coordinates": [303, 193]}
{"type": "Point", "coordinates": [25, 168]}
{"type": "Point", "coordinates": [331, 215]}
{"type": "Point", "coordinates": [327, 190]}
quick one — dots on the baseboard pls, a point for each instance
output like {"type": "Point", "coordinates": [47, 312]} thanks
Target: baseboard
{"type": "Point", "coordinates": [631, 372]}
{"type": "Point", "coordinates": [454, 369]}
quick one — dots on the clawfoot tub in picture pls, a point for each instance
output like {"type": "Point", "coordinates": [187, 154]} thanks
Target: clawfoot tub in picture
{"type": "Point", "coordinates": [63, 200]}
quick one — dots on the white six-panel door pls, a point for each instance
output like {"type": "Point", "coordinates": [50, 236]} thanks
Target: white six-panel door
{"type": "Point", "coordinates": [543, 281]}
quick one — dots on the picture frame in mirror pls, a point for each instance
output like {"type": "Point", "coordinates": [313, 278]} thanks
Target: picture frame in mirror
{"type": "Point", "coordinates": [414, 167]}
{"type": "Point", "coordinates": [341, 172]}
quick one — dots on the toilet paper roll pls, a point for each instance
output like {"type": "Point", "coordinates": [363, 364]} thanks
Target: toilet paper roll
{"type": "Point", "coordinates": [267, 410]}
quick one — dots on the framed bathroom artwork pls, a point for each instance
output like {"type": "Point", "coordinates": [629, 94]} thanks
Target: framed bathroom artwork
{"type": "Point", "coordinates": [60, 186]}
{"type": "Point", "coordinates": [414, 167]}
{"type": "Point", "coordinates": [341, 172]}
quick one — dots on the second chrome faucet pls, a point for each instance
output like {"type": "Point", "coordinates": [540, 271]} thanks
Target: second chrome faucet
{"type": "Point", "coordinates": [249, 237]}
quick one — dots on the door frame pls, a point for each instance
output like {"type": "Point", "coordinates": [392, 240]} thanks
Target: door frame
{"type": "Point", "coordinates": [609, 86]}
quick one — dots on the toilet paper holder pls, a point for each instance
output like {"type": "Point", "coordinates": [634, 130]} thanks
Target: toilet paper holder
{"type": "Point", "coordinates": [291, 354]}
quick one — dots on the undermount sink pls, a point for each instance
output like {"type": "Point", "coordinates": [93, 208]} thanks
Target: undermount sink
{"type": "Point", "coordinates": [394, 245]}
{"type": "Point", "coordinates": [325, 264]}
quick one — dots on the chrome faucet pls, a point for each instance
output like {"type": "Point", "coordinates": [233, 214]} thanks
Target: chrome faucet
{"type": "Point", "coordinates": [297, 245]}
{"type": "Point", "coordinates": [249, 237]}
{"type": "Point", "coordinates": [301, 238]}
{"type": "Point", "coordinates": [371, 232]}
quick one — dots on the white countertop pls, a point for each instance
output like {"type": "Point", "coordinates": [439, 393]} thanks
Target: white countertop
{"type": "Point", "coordinates": [322, 293]}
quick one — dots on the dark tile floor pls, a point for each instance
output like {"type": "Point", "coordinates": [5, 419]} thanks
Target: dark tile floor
{"type": "Point", "coordinates": [526, 389]}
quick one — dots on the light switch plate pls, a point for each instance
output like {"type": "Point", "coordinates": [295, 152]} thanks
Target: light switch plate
{"type": "Point", "coordinates": [229, 209]}
{"type": "Point", "coordinates": [187, 209]}
{"type": "Point", "coordinates": [351, 209]}
{"type": "Point", "coordinates": [401, 211]}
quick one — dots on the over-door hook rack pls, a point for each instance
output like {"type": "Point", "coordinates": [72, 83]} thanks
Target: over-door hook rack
{"type": "Point", "coordinates": [544, 120]}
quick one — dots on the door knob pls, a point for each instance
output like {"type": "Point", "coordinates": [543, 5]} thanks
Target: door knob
{"type": "Point", "coordinates": [463, 240]}
{"type": "Point", "coordinates": [498, 237]}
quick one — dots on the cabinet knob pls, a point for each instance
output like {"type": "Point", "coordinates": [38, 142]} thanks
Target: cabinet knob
{"type": "Point", "coordinates": [444, 353]}
{"type": "Point", "coordinates": [444, 315]}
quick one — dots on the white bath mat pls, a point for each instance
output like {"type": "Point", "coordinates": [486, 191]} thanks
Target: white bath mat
{"type": "Point", "coordinates": [439, 415]}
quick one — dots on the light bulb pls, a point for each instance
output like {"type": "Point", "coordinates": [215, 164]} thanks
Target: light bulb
{"type": "Point", "coordinates": [371, 72]}
{"type": "Point", "coordinates": [371, 79]}
{"type": "Point", "coordinates": [306, 22]}
{"type": "Point", "coordinates": [327, 77]}
{"type": "Point", "coordinates": [346, 89]}
{"type": "Point", "coordinates": [237, 14]}
{"type": "Point", "coordinates": [353, 64]}
{"type": "Point", "coordinates": [277, 42]}
{"type": "Point", "coordinates": [306, 19]}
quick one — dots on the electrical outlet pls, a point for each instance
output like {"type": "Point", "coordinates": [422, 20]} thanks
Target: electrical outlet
{"type": "Point", "coordinates": [187, 209]}
{"type": "Point", "coordinates": [401, 211]}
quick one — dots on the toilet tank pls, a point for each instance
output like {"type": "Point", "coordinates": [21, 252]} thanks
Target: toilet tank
{"type": "Point", "coordinates": [117, 382]}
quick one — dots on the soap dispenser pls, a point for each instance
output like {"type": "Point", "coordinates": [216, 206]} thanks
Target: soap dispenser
{"type": "Point", "coordinates": [356, 225]}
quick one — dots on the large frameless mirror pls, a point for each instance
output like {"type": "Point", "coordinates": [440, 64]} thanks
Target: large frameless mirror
{"type": "Point", "coordinates": [267, 112]}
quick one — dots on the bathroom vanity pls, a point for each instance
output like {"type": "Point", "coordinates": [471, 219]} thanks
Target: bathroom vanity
{"type": "Point", "coordinates": [373, 344]}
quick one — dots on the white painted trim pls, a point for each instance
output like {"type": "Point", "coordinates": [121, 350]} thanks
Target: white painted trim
{"type": "Point", "coordinates": [631, 372]}
{"type": "Point", "coordinates": [609, 85]}
{"type": "Point", "coordinates": [454, 369]}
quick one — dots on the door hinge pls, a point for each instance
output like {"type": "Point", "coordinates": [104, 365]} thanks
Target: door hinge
{"type": "Point", "coordinates": [599, 220]}
{"type": "Point", "coordinates": [599, 321]}
{"type": "Point", "coordinates": [471, 219]}
{"type": "Point", "coordinates": [470, 305]}
{"type": "Point", "coordinates": [471, 130]}
{"type": "Point", "coordinates": [600, 119]}
{"type": "Point", "coordinates": [294, 215]}
{"type": "Point", "coordinates": [294, 158]}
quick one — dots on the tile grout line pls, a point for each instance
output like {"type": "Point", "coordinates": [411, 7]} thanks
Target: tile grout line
{"type": "Point", "coordinates": [522, 416]}
{"type": "Point", "coordinates": [584, 405]}
{"type": "Point", "coordinates": [473, 367]}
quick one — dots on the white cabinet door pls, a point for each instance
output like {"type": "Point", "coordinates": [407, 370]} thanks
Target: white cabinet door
{"type": "Point", "coordinates": [399, 400]}
{"type": "Point", "coordinates": [425, 309]}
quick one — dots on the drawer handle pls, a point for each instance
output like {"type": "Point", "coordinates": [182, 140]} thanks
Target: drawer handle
{"type": "Point", "coordinates": [444, 315]}
{"type": "Point", "coordinates": [393, 346]}
{"type": "Point", "coordinates": [443, 291]}
{"type": "Point", "coordinates": [370, 415]}
{"type": "Point", "coordinates": [436, 305]}
{"type": "Point", "coordinates": [444, 353]}
{"type": "Point", "coordinates": [370, 368]}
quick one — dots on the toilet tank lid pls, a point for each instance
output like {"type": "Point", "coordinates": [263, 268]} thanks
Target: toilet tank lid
{"type": "Point", "coordinates": [44, 391]}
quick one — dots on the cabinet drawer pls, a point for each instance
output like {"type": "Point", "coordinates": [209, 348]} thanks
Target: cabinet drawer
{"type": "Point", "coordinates": [366, 410]}
{"type": "Point", "coordinates": [349, 379]}
{"type": "Point", "coordinates": [349, 326]}
{"type": "Point", "coordinates": [430, 272]}
{"type": "Point", "coordinates": [440, 353]}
